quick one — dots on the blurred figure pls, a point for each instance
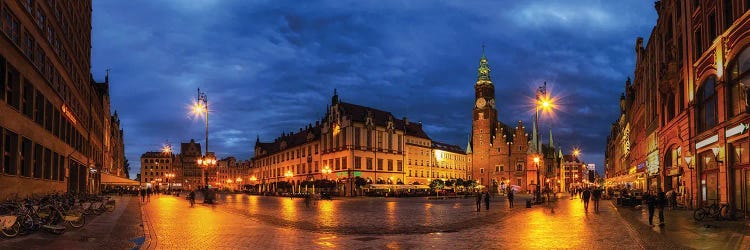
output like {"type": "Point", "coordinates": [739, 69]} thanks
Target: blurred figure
{"type": "Point", "coordinates": [486, 200]}
{"type": "Point", "coordinates": [479, 201]}
{"type": "Point", "coordinates": [585, 195]}
{"type": "Point", "coordinates": [596, 195]}
{"type": "Point", "coordinates": [661, 202]}
{"type": "Point", "coordinates": [650, 200]}
{"type": "Point", "coordinates": [510, 196]}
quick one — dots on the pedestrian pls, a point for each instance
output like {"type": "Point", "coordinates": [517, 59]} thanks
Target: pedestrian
{"type": "Point", "coordinates": [479, 201]}
{"type": "Point", "coordinates": [148, 194]}
{"type": "Point", "coordinates": [510, 197]}
{"type": "Point", "coordinates": [486, 200]}
{"type": "Point", "coordinates": [673, 198]}
{"type": "Point", "coordinates": [661, 202]}
{"type": "Point", "coordinates": [143, 195]}
{"type": "Point", "coordinates": [596, 195]}
{"type": "Point", "coordinates": [585, 195]}
{"type": "Point", "coordinates": [650, 200]}
{"type": "Point", "coordinates": [191, 198]}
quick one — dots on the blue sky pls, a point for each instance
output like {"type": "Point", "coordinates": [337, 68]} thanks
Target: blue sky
{"type": "Point", "coordinates": [271, 66]}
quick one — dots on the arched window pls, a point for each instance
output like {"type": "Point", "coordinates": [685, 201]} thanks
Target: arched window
{"type": "Point", "coordinates": [738, 75]}
{"type": "Point", "coordinates": [706, 116]}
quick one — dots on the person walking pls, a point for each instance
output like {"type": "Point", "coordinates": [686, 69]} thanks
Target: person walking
{"type": "Point", "coordinates": [486, 200]}
{"type": "Point", "coordinates": [596, 195]}
{"type": "Point", "coordinates": [148, 194]}
{"type": "Point", "coordinates": [661, 203]}
{"type": "Point", "coordinates": [650, 200]}
{"type": "Point", "coordinates": [191, 197]}
{"type": "Point", "coordinates": [510, 197]}
{"type": "Point", "coordinates": [585, 195]}
{"type": "Point", "coordinates": [143, 195]}
{"type": "Point", "coordinates": [479, 201]}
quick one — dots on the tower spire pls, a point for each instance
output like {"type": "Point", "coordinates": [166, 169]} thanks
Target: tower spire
{"type": "Point", "coordinates": [551, 141]}
{"type": "Point", "coordinates": [483, 70]}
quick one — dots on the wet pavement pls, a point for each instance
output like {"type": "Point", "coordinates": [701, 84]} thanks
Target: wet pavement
{"type": "Point", "coordinates": [256, 222]}
{"type": "Point", "coordinates": [119, 229]}
{"type": "Point", "coordinates": [680, 228]}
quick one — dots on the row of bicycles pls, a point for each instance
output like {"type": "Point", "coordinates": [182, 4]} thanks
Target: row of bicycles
{"type": "Point", "coordinates": [53, 213]}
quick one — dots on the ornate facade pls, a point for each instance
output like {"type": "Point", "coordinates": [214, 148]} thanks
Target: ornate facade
{"type": "Point", "coordinates": [688, 102]}
{"type": "Point", "coordinates": [503, 154]}
{"type": "Point", "coordinates": [356, 141]}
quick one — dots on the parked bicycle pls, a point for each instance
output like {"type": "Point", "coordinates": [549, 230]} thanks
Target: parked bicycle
{"type": "Point", "coordinates": [719, 212]}
{"type": "Point", "coordinates": [53, 213]}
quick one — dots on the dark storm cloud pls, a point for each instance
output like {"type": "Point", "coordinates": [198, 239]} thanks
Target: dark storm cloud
{"type": "Point", "coordinates": [271, 66]}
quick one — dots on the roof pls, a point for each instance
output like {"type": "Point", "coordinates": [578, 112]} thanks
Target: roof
{"type": "Point", "coordinates": [288, 140]}
{"type": "Point", "coordinates": [359, 113]}
{"type": "Point", "coordinates": [152, 154]}
{"type": "Point", "coordinates": [447, 147]}
{"type": "Point", "coordinates": [571, 158]}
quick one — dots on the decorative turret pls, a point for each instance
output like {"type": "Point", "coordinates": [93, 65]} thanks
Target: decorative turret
{"type": "Point", "coordinates": [483, 70]}
{"type": "Point", "coordinates": [335, 98]}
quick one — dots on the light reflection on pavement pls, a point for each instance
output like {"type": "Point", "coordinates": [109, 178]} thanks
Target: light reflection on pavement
{"type": "Point", "coordinates": [253, 222]}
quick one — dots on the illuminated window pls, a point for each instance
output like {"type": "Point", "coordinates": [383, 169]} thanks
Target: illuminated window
{"type": "Point", "coordinates": [706, 110]}
{"type": "Point", "coordinates": [738, 73]}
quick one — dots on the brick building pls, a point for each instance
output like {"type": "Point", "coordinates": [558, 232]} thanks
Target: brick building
{"type": "Point", "coordinates": [688, 100]}
{"type": "Point", "coordinates": [503, 154]}
{"type": "Point", "coordinates": [58, 134]}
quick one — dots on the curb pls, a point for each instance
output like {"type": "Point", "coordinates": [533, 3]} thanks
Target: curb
{"type": "Point", "coordinates": [148, 230]}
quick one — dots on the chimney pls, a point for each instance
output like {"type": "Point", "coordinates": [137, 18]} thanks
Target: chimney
{"type": "Point", "coordinates": [406, 121]}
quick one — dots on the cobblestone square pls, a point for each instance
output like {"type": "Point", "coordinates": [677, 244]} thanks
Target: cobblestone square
{"type": "Point", "coordinates": [241, 221]}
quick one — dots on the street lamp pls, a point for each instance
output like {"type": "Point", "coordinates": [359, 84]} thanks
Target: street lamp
{"type": "Point", "coordinates": [688, 160]}
{"type": "Point", "coordinates": [289, 175]}
{"type": "Point", "coordinates": [543, 102]}
{"type": "Point", "coordinates": [206, 162]}
{"type": "Point", "coordinates": [238, 181]}
{"type": "Point", "coordinates": [538, 193]}
{"type": "Point", "coordinates": [167, 176]}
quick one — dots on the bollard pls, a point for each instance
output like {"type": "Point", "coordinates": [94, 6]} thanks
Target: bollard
{"type": "Point", "coordinates": [528, 203]}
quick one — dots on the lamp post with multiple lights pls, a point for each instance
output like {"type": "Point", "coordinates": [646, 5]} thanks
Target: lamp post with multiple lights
{"type": "Point", "coordinates": [543, 102]}
{"type": "Point", "coordinates": [200, 108]}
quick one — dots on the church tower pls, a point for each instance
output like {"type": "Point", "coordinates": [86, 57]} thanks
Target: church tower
{"type": "Point", "coordinates": [484, 123]}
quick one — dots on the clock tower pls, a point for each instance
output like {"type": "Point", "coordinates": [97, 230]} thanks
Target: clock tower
{"type": "Point", "coordinates": [484, 123]}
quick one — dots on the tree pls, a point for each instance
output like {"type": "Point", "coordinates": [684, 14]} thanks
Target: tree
{"type": "Point", "coordinates": [470, 183]}
{"type": "Point", "coordinates": [359, 181]}
{"type": "Point", "coordinates": [450, 183]}
{"type": "Point", "coordinates": [459, 182]}
{"type": "Point", "coordinates": [437, 184]}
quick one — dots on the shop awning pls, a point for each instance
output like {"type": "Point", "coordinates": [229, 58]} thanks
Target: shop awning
{"type": "Point", "coordinates": [391, 186]}
{"type": "Point", "coordinates": [623, 178]}
{"type": "Point", "coordinates": [108, 179]}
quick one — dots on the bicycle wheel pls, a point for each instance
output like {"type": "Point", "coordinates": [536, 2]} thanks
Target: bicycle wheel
{"type": "Point", "coordinates": [699, 214]}
{"type": "Point", "coordinates": [12, 231]}
{"type": "Point", "coordinates": [78, 223]}
{"type": "Point", "coordinates": [726, 213]}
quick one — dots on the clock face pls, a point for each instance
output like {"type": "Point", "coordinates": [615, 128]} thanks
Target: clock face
{"type": "Point", "coordinates": [492, 103]}
{"type": "Point", "coordinates": [480, 103]}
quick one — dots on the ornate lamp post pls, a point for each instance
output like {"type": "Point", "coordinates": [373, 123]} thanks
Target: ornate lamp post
{"type": "Point", "coordinates": [253, 179]}
{"type": "Point", "coordinates": [167, 176]}
{"type": "Point", "coordinates": [288, 176]}
{"type": "Point", "coordinates": [688, 160]}
{"type": "Point", "coordinates": [544, 103]}
{"type": "Point", "coordinates": [206, 162]}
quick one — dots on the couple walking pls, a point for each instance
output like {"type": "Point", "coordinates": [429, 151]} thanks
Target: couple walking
{"type": "Point", "coordinates": [483, 195]}
{"type": "Point", "coordinates": [595, 195]}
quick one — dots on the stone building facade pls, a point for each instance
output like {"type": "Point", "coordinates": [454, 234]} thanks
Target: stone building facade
{"type": "Point", "coordinates": [56, 126]}
{"type": "Point", "coordinates": [356, 141]}
{"type": "Point", "coordinates": [688, 100]}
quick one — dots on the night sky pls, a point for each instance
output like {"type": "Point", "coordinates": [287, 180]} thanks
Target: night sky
{"type": "Point", "coordinates": [269, 67]}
